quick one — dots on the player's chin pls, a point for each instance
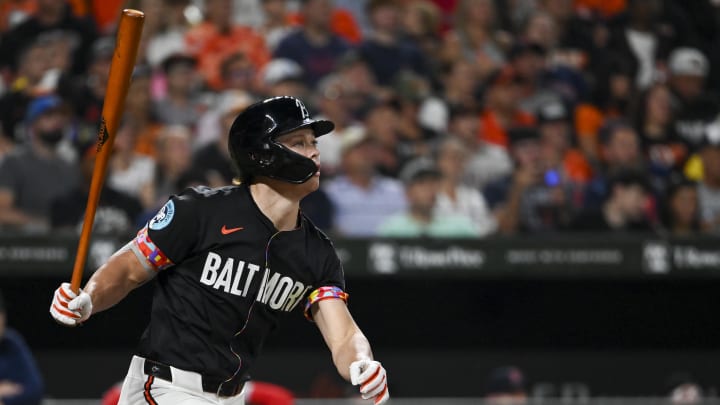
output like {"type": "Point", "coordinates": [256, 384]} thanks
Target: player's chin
{"type": "Point", "coordinates": [313, 183]}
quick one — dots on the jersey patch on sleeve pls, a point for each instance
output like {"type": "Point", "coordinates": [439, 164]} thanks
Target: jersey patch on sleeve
{"type": "Point", "coordinates": [163, 217]}
{"type": "Point", "coordinates": [151, 252]}
{"type": "Point", "coordinates": [323, 293]}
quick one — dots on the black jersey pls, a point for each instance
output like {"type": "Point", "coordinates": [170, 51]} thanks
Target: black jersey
{"type": "Point", "coordinates": [225, 278]}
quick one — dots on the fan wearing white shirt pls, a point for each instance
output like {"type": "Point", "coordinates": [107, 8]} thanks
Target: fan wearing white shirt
{"type": "Point", "coordinates": [455, 198]}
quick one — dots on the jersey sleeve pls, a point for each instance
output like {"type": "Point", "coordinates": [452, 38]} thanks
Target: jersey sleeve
{"type": "Point", "coordinates": [170, 236]}
{"type": "Point", "coordinates": [331, 284]}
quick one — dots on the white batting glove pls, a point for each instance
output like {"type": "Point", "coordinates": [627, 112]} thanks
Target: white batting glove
{"type": "Point", "coordinates": [372, 379]}
{"type": "Point", "coordinates": [69, 308]}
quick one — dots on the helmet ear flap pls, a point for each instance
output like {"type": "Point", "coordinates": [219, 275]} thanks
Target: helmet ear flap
{"type": "Point", "coordinates": [263, 158]}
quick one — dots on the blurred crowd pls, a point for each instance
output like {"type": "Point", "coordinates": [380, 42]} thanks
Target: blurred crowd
{"type": "Point", "coordinates": [454, 118]}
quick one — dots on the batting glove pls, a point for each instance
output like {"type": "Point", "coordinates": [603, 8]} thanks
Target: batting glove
{"type": "Point", "coordinates": [69, 308]}
{"type": "Point", "coordinates": [372, 379]}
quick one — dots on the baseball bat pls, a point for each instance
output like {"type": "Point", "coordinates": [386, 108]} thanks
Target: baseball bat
{"type": "Point", "coordinates": [121, 67]}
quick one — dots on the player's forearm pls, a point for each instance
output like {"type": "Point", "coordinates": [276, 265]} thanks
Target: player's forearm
{"type": "Point", "coordinates": [354, 347]}
{"type": "Point", "coordinates": [113, 281]}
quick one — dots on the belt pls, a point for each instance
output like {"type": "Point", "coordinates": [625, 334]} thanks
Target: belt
{"type": "Point", "coordinates": [209, 384]}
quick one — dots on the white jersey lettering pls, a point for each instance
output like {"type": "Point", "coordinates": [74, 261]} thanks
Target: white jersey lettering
{"type": "Point", "coordinates": [212, 264]}
{"type": "Point", "coordinates": [277, 291]}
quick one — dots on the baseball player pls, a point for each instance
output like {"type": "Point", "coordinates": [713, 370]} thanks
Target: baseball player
{"type": "Point", "coordinates": [229, 264]}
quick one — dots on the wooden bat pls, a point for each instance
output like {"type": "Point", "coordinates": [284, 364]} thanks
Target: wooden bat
{"type": "Point", "coordinates": [121, 67]}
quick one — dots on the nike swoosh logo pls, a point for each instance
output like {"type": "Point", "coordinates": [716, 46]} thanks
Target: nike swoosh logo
{"type": "Point", "coordinates": [225, 230]}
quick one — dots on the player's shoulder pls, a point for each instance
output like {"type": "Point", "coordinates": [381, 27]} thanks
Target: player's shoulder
{"type": "Point", "coordinates": [315, 233]}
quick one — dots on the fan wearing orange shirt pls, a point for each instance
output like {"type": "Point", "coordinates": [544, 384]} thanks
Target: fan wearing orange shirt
{"type": "Point", "coordinates": [501, 108]}
{"type": "Point", "coordinates": [216, 38]}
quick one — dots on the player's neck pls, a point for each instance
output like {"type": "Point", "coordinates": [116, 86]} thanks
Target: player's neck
{"type": "Point", "coordinates": [278, 205]}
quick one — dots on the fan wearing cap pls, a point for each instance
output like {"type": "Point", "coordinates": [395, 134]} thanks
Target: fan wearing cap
{"type": "Point", "coordinates": [693, 107]}
{"type": "Point", "coordinates": [231, 263]}
{"type": "Point", "coordinates": [33, 175]}
{"type": "Point", "coordinates": [422, 185]}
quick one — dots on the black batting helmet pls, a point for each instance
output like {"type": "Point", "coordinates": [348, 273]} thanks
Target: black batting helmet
{"type": "Point", "coordinates": [253, 140]}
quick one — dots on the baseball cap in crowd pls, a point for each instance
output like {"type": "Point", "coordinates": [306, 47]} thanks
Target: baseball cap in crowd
{"type": "Point", "coordinates": [280, 70]}
{"type": "Point", "coordinates": [178, 59]}
{"type": "Point", "coordinates": [552, 112]}
{"type": "Point", "coordinates": [688, 62]}
{"type": "Point", "coordinates": [103, 48]}
{"type": "Point", "coordinates": [233, 102]}
{"type": "Point", "coordinates": [42, 105]}
{"type": "Point", "coordinates": [523, 47]}
{"type": "Point", "coordinates": [353, 137]}
{"type": "Point", "coordinates": [505, 380]}
{"type": "Point", "coordinates": [520, 134]}
{"type": "Point", "coordinates": [419, 169]}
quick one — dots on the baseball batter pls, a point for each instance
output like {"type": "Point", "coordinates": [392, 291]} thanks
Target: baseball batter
{"type": "Point", "coordinates": [229, 264]}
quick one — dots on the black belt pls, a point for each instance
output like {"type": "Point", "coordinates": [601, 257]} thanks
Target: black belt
{"type": "Point", "coordinates": [209, 384]}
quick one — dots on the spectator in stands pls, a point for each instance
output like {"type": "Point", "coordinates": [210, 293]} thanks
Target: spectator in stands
{"type": "Point", "coordinates": [502, 108]}
{"type": "Point", "coordinates": [314, 46]}
{"type": "Point", "coordinates": [33, 63]}
{"type": "Point", "coordinates": [238, 72]}
{"type": "Point", "coordinates": [644, 40]}
{"type": "Point", "coordinates": [34, 174]}
{"type": "Point", "coordinates": [422, 185]}
{"type": "Point", "coordinates": [455, 198]}
{"type": "Point", "coordinates": [50, 15]}
{"type": "Point", "coordinates": [461, 85]}
{"type": "Point", "coordinates": [420, 21]}
{"type": "Point", "coordinates": [168, 37]}
{"type": "Point", "coordinates": [506, 386]}
{"type": "Point", "coordinates": [693, 107]}
{"type": "Point", "coordinates": [117, 213]}
{"type": "Point", "coordinates": [556, 134]}
{"type": "Point", "coordinates": [20, 379]}
{"type": "Point", "coordinates": [610, 100]}
{"type": "Point", "coordinates": [174, 157]}
{"type": "Point", "coordinates": [625, 208]}
{"type": "Point", "coordinates": [362, 198]}
{"type": "Point", "coordinates": [332, 96]}
{"type": "Point", "coordinates": [528, 62]}
{"type": "Point", "coordinates": [130, 172]}
{"type": "Point", "coordinates": [486, 162]}
{"type": "Point", "coordinates": [620, 150]}
{"type": "Point", "coordinates": [534, 198]}
{"type": "Point", "coordinates": [709, 186]}
{"type": "Point", "coordinates": [540, 28]}
{"type": "Point", "coordinates": [283, 77]}
{"type": "Point", "coordinates": [213, 158]}
{"type": "Point", "coordinates": [275, 25]}
{"type": "Point", "coordinates": [86, 92]}
{"type": "Point", "coordinates": [382, 122]}
{"type": "Point", "coordinates": [474, 37]}
{"type": "Point", "coordinates": [384, 49]}
{"type": "Point", "coordinates": [217, 37]}
{"type": "Point", "coordinates": [681, 215]}
{"type": "Point", "coordinates": [139, 110]}
{"type": "Point", "coordinates": [180, 105]}
{"type": "Point", "coordinates": [664, 150]}
{"type": "Point", "coordinates": [361, 89]}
